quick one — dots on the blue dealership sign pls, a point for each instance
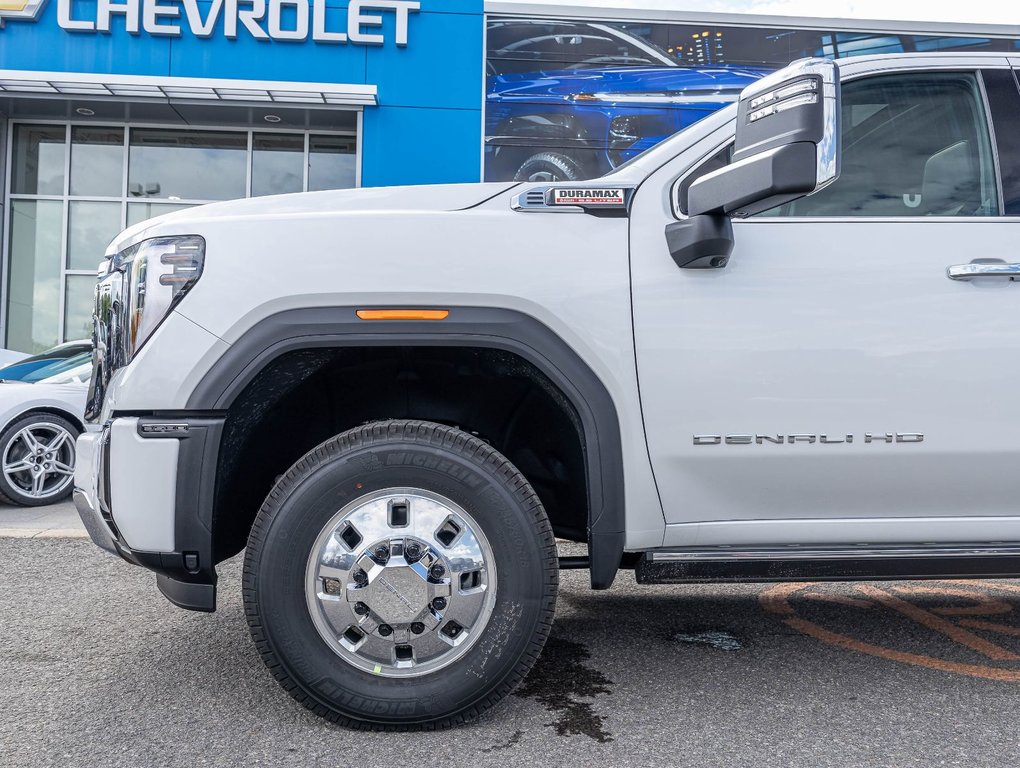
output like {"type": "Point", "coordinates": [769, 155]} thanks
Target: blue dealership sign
{"type": "Point", "coordinates": [424, 56]}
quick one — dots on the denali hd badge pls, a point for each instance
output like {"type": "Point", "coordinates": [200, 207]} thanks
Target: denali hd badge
{"type": "Point", "coordinates": [614, 197]}
{"type": "Point", "coordinates": [887, 438]}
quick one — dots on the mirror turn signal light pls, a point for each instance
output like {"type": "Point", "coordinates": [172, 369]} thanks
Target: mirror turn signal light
{"type": "Point", "coordinates": [403, 314]}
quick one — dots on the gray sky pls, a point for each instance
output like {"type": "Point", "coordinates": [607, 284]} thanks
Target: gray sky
{"type": "Point", "coordinates": [974, 11]}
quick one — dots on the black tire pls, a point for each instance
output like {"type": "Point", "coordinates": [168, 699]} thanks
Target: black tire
{"type": "Point", "coordinates": [382, 455]}
{"type": "Point", "coordinates": [550, 166]}
{"type": "Point", "coordinates": [11, 492]}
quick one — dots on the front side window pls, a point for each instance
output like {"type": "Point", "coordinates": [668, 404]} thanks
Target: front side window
{"type": "Point", "coordinates": [913, 145]}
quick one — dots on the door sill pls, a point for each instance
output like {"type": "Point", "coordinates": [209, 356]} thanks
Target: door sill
{"type": "Point", "coordinates": [853, 563]}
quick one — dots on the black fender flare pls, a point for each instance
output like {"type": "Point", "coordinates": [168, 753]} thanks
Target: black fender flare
{"type": "Point", "coordinates": [502, 329]}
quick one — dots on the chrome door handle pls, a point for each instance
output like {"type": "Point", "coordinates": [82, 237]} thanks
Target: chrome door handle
{"type": "Point", "coordinates": [984, 268]}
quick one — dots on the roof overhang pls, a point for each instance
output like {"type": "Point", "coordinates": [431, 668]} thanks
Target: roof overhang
{"type": "Point", "coordinates": [631, 11]}
{"type": "Point", "coordinates": [15, 83]}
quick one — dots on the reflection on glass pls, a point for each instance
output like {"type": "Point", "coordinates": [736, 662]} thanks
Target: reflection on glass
{"type": "Point", "coordinates": [139, 212]}
{"type": "Point", "coordinates": [332, 162]}
{"type": "Point", "coordinates": [277, 165]}
{"type": "Point", "coordinates": [91, 227]}
{"type": "Point", "coordinates": [78, 307]}
{"type": "Point", "coordinates": [97, 161]}
{"type": "Point", "coordinates": [38, 160]}
{"type": "Point", "coordinates": [187, 165]}
{"type": "Point", "coordinates": [33, 304]}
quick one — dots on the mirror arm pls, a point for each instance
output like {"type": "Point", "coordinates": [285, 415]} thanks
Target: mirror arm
{"type": "Point", "coordinates": [768, 177]}
{"type": "Point", "coordinates": [700, 242]}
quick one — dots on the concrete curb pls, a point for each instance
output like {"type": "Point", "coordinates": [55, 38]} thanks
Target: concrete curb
{"type": "Point", "coordinates": [43, 533]}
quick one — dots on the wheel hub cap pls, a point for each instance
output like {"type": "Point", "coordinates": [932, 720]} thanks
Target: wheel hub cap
{"type": "Point", "coordinates": [398, 592]}
{"type": "Point", "coordinates": [400, 582]}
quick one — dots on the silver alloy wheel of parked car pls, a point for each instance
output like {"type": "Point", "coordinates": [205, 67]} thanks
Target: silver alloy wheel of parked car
{"type": "Point", "coordinates": [39, 460]}
{"type": "Point", "coordinates": [401, 582]}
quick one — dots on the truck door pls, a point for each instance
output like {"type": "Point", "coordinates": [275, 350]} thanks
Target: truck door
{"type": "Point", "coordinates": [851, 375]}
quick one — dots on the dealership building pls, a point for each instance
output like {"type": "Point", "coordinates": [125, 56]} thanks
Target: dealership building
{"type": "Point", "coordinates": [115, 111]}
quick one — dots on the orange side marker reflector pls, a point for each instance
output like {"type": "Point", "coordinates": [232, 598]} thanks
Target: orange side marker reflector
{"type": "Point", "coordinates": [403, 314]}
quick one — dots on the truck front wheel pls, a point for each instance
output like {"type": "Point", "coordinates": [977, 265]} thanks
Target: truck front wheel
{"type": "Point", "coordinates": [401, 575]}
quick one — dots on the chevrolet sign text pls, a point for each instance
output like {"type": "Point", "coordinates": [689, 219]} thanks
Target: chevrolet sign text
{"type": "Point", "coordinates": [293, 20]}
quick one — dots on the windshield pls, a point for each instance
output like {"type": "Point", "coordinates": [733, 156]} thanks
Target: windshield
{"type": "Point", "coordinates": [61, 369]}
{"type": "Point", "coordinates": [22, 369]}
{"type": "Point", "coordinates": [80, 374]}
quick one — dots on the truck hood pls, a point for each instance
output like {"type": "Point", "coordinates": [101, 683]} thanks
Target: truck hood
{"type": "Point", "coordinates": [568, 84]}
{"type": "Point", "coordinates": [437, 197]}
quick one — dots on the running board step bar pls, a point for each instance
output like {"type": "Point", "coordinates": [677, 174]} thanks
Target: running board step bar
{"type": "Point", "coordinates": [828, 564]}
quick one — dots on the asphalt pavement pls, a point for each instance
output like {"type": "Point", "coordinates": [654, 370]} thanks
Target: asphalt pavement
{"type": "Point", "coordinates": [99, 670]}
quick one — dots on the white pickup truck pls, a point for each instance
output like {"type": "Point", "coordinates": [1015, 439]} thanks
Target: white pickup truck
{"type": "Point", "coordinates": [781, 345]}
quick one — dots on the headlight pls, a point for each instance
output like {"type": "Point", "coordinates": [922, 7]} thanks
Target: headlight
{"type": "Point", "coordinates": [625, 128]}
{"type": "Point", "coordinates": [157, 274]}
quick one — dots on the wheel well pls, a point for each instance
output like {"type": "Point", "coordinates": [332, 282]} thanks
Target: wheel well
{"type": "Point", "coordinates": [75, 420]}
{"type": "Point", "coordinates": [306, 396]}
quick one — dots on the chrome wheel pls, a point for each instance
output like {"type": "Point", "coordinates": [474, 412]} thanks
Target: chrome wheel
{"type": "Point", "coordinates": [400, 582]}
{"type": "Point", "coordinates": [39, 460]}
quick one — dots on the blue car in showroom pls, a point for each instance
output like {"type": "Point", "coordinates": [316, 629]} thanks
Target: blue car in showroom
{"type": "Point", "coordinates": [619, 96]}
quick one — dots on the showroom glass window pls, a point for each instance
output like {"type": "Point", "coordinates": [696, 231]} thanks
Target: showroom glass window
{"type": "Point", "coordinates": [72, 188]}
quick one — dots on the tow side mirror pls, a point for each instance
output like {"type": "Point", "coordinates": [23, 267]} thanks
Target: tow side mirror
{"type": "Point", "coordinates": [787, 143]}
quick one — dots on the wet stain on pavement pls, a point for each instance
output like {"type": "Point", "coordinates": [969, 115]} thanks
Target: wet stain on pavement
{"type": "Point", "coordinates": [512, 742]}
{"type": "Point", "coordinates": [723, 641]}
{"type": "Point", "coordinates": [561, 682]}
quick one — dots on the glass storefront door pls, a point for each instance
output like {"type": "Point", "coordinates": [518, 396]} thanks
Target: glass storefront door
{"type": "Point", "coordinates": [72, 188]}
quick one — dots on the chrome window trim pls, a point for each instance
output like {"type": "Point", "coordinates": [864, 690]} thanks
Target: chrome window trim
{"type": "Point", "coordinates": [993, 142]}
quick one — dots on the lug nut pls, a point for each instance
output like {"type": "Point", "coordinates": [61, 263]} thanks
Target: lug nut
{"type": "Point", "coordinates": [439, 603]}
{"type": "Point", "coordinates": [385, 630]}
{"type": "Point", "coordinates": [417, 627]}
{"type": "Point", "coordinates": [332, 586]}
{"type": "Point", "coordinates": [361, 609]}
{"type": "Point", "coordinates": [382, 552]}
{"type": "Point", "coordinates": [412, 551]}
{"type": "Point", "coordinates": [437, 571]}
{"type": "Point", "coordinates": [360, 578]}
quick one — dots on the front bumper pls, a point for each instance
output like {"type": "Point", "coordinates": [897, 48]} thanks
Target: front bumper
{"type": "Point", "coordinates": [144, 491]}
{"type": "Point", "coordinates": [87, 495]}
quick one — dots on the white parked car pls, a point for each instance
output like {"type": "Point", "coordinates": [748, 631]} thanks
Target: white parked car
{"type": "Point", "coordinates": [40, 418]}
